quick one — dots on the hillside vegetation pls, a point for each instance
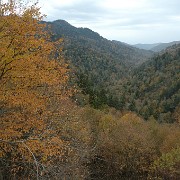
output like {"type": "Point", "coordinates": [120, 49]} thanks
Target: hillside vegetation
{"type": "Point", "coordinates": [121, 76]}
{"type": "Point", "coordinates": [104, 115]}
{"type": "Point", "coordinates": [154, 87]}
{"type": "Point", "coordinates": [102, 60]}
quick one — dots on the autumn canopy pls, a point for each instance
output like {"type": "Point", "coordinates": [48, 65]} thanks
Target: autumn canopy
{"type": "Point", "coordinates": [31, 81]}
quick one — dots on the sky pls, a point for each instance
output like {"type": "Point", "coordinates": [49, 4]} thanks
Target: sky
{"type": "Point", "coordinates": [130, 21]}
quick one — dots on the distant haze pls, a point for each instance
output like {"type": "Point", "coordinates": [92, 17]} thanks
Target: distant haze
{"type": "Point", "coordinates": [157, 46]}
{"type": "Point", "coordinates": [130, 21]}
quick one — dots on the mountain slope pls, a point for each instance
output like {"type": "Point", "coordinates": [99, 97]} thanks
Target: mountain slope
{"type": "Point", "coordinates": [154, 87]}
{"type": "Point", "coordinates": [163, 46]}
{"type": "Point", "coordinates": [146, 46]}
{"type": "Point", "coordinates": [89, 53]}
{"type": "Point", "coordinates": [62, 28]}
{"type": "Point", "coordinates": [156, 47]}
{"type": "Point", "coordinates": [121, 51]}
{"type": "Point", "coordinates": [113, 73]}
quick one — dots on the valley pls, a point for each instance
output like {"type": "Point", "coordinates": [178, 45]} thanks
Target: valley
{"type": "Point", "coordinates": [77, 106]}
{"type": "Point", "coordinates": [122, 76]}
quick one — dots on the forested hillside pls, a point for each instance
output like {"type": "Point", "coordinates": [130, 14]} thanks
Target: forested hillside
{"type": "Point", "coordinates": [91, 111]}
{"type": "Point", "coordinates": [153, 89]}
{"type": "Point", "coordinates": [118, 75]}
{"type": "Point", "coordinates": [102, 60]}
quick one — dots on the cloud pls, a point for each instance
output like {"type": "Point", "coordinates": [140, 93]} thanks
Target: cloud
{"type": "Point", "coordinates": [126, 20]}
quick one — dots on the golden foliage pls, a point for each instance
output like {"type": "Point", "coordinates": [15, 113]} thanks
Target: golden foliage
{"type": "Point", "coordinates": [33, 82]}
{"type": "Point", "coordinates": [128, 147]}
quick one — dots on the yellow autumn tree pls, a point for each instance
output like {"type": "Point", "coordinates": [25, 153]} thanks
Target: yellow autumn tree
{"type": "Point", "coordinates": [33, 84]}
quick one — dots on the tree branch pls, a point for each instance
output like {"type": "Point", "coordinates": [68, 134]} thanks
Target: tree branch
{"type": "Point", "coordinates": [35, 160]}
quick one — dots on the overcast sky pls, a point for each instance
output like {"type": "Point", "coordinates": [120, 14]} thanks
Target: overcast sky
{"type": "Point", "coordinates": [130, 21]}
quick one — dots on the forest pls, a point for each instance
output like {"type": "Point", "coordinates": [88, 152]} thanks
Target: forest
{"type": "Point", "coordinates": [74, 105]}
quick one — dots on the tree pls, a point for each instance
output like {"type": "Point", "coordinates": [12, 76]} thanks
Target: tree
{"type": "Point", "coordinates": [33, 85]}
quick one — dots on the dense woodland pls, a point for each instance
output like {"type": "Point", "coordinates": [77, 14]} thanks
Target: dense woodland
{"type": "Point", "coordinates": [74, 105]}
{"type": "Point", "coordinates": [121, 76]}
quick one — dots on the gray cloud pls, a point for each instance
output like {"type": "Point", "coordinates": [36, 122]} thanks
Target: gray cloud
{"type": "Point", "coordinates": [144, 21]}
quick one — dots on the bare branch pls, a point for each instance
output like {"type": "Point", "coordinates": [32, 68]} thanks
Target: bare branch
{"type": "Point", "coordinates": [37, 166]}
{"type": "Point", "coordinates": [35, 160]}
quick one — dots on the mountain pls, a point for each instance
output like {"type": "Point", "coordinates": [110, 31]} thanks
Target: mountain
{"type": "Point", "coordinates": [163, 46]}
{"type": "Point", "coordinates": [146, 46]}
{"type": "Point", "coordinates": [91, 54]}
{"type": "Point", "coordinates": [121, 51]}
{"type": "Point", "coordinates": [62, 28]}
{"type": "Point", "coordinates": [122, 76]}
{"type": "Point", "coordinates": [153, 89]}
{"type": "Point", "coordinates": [156, 47]}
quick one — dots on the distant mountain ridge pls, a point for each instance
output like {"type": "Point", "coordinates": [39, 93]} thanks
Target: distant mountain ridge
{"type": "Point", "coordinates": [156, 47]}
{"type": "Point", "coordinates": [64, 29]}
{"type": "Point", "coordinates": [119, 75]}
{"type": "Point", "coordinates": [146, 46]}
{"type": "Point", "coordinates": [163, 46]}
{"type": "Point", "coordinates": [61, 28]}
{"type": "Point", "coordinates": [90, 53]}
